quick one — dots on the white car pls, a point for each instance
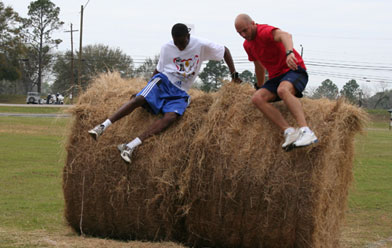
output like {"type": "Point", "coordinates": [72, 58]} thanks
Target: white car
{"type": "Point", "coordinates": [33, 98]}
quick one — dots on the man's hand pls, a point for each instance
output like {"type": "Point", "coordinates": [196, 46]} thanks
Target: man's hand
{"type": "Point", "coordinates": [291, 61]}
{"type": "Point", "coordinates": [235, 77]}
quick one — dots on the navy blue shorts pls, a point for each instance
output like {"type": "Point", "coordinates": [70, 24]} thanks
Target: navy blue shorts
{"type": "Point", "coordinates": [162, 96]}
{"type": "Point", "coordinates": [299, 79]}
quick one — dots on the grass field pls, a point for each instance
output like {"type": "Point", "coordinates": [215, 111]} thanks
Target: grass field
{"type": "Point", "coordinates": [31, 202]}
{"type": "Point", "coordinates": [33, 109]}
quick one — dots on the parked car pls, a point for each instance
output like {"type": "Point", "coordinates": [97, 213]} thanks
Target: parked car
{"type": "Point", "coordinates": [33, 98]}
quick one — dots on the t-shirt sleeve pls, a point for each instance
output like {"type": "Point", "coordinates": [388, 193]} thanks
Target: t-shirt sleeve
{"type": "Point", "coordinates": [212, 51]}
{"type": "Point", "coordinates": [249, 52]}
{"type": "Point", "coordinates": [265, 33]}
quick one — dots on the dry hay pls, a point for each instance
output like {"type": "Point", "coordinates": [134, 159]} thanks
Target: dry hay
{"type": "Point", "coordinates": [218, 177]}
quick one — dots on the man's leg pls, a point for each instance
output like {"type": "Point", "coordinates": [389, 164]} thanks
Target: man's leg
{"type": "Point", "coordinates": [262, 99]}
{"type": "Point", "coordinates": [286, 92]}
{"type": "Point", "coordinates": [157, 127]}
{"type": "Point", "coordinates": [127, 108]}
{"type": "Point", "coordinates": [124, 110]}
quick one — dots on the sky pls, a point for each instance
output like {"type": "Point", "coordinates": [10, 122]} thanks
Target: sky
{"type": "Point", "coordinates": [340, 39]}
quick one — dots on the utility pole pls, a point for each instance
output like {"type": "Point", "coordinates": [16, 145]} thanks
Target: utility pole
{"type": "Point", "coordinates": [80, 50]}
{"type": "Point", "coordinates": [72, 65]}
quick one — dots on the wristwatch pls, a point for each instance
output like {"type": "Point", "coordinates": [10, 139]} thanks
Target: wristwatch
{"type": "Point", "coordinates": [288, 52]}
{"type": "Point", "coordinates": [234, 75]}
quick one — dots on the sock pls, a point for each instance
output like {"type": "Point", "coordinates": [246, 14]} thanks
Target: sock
{"type": "Point", "coordinates": [289, 130]}
{"type": "Point", "coordinates": [305, 129]}
{"type": "Point", "coordinates": [106, 124]}
{"type": "Point", "coordinates": [134, 143]}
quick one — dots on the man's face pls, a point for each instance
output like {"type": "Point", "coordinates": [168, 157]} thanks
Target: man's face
{"type": "Point", "coordinates": [246, 30]}
{"type": "Point", "coordinates": [181, 42]}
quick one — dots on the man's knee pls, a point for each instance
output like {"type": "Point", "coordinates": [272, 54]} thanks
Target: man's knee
{"type": "Point", "coordinates": [139, 99]}
{"type": "Point", "coordinates": [285, 89]}
{"type": "Point", "coordinates": [260, 98]}
{"type": "Point", "coordinates": [170, 117]}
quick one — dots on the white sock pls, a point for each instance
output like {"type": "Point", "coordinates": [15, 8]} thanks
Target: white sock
{"type": "Point", "coordinates": [305, 129]}
{"type": "Point", "coordinates": [106, 124]}
{"type": "Point", "coordinates": [134, 143]}
{"type": "Point", "coordinates": [289, 130]}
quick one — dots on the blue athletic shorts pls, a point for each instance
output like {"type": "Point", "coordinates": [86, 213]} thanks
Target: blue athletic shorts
{"type": "Point", "coordinates": [162, 96]}
{"type": "Point", "coordinates": [299, 78]}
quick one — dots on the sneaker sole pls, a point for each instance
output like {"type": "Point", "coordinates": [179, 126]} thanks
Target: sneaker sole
{"type": "Point", "coordinates": [313, 142]}
{"type": "Point", "coordinates": [289, 147]}
{"type": "Point", "coordinates": [93, 134]}
{"type": "Point", "coordinates": [125, 158]}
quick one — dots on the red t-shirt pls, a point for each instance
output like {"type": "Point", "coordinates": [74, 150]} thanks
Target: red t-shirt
{"type": "Point", "coordinates": [270, 53]}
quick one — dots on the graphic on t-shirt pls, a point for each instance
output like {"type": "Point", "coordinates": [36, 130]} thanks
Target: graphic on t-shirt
{"type": "Point", "coordinates": [186, 67]}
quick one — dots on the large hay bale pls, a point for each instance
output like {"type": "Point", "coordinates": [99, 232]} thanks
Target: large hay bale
{"type": "Point", "coordinates": [218, 177]}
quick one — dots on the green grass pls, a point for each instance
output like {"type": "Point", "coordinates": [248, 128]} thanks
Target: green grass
{"type": "Point", "coordinates": [370, 199]}
{"type": "Point", "coordinates": [32, 157]}
{"type": "Point", "coordinates": [31, 199]}
{"type": "Point", "coordinates": [378, 112]}
{"type": "Point", "coordinates": [36, 110]}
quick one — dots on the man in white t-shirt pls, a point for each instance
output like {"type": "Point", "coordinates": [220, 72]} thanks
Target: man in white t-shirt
{"type": "Point", "coordinates": [179, 64]}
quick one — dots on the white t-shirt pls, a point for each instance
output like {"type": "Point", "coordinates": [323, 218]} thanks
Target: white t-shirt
{"type": "Point", "coordinates": [182, 67]}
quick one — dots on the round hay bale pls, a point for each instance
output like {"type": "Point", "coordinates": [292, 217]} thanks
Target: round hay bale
{"type": "Point", "coordinates": [243, 190]}
{"type": "Point", "coordinates": [105, 196]}
{"type": "Point", "coordinates": [218, 177]}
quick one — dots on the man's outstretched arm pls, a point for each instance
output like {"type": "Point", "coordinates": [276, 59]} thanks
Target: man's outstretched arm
{"type": "Point", "coordinates": [229, 61]}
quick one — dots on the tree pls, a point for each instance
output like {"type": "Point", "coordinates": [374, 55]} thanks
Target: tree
{"type": "Point", "coordinates": [43, 20]}
{"type": "Point", "coordinates": [147, 68]}
{"type": "Point", "coordinates": [381, 100]}
{"type": "Point", "coordinates": [327, 89]}
{"type": "Point", "coordinates": [97, 59]}
{"type": "Point", "coordinates": [351, 91]}
{"type": "Point", "coordinates": [213, 75]}
{"type": "Point", "coordinates": [248, 76]}
{"type": "Point", "coordinates": [11, 46]}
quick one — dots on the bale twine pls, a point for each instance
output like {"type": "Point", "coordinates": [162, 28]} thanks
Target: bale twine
{"type": "Point", "coordinates": [218, 177]}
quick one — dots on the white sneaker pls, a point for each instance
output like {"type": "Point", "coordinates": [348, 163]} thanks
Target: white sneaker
{"type": "Point", "coordinates": [125, 152]}
{"type": "Point", "coordinates": [305, 138]}
{"type": "Point", "coordinates": [290, 138]}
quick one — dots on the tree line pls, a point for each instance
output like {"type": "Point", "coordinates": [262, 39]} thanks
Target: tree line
{"type": "Point", "coordinates": [29, 60]}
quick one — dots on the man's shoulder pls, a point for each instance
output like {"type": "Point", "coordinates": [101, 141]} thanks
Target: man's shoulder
{"type": "Point", "coordinates": [169, 43]}
{"type": "Point", "coordinates": [263, 29]}
{"type": "Point", "coordinates": [264, 26]}
{"type": "Point", "coordinates": [197, 39]}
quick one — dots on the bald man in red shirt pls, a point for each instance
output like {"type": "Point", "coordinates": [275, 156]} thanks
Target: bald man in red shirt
{"type": "Point", "coordinates": [272, 49]}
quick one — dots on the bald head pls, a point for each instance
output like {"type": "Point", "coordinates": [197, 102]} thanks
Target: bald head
{"type": "Point", "coordinates": [245, 26]}
{"type": "Point", "coordinates": [243, 18]}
